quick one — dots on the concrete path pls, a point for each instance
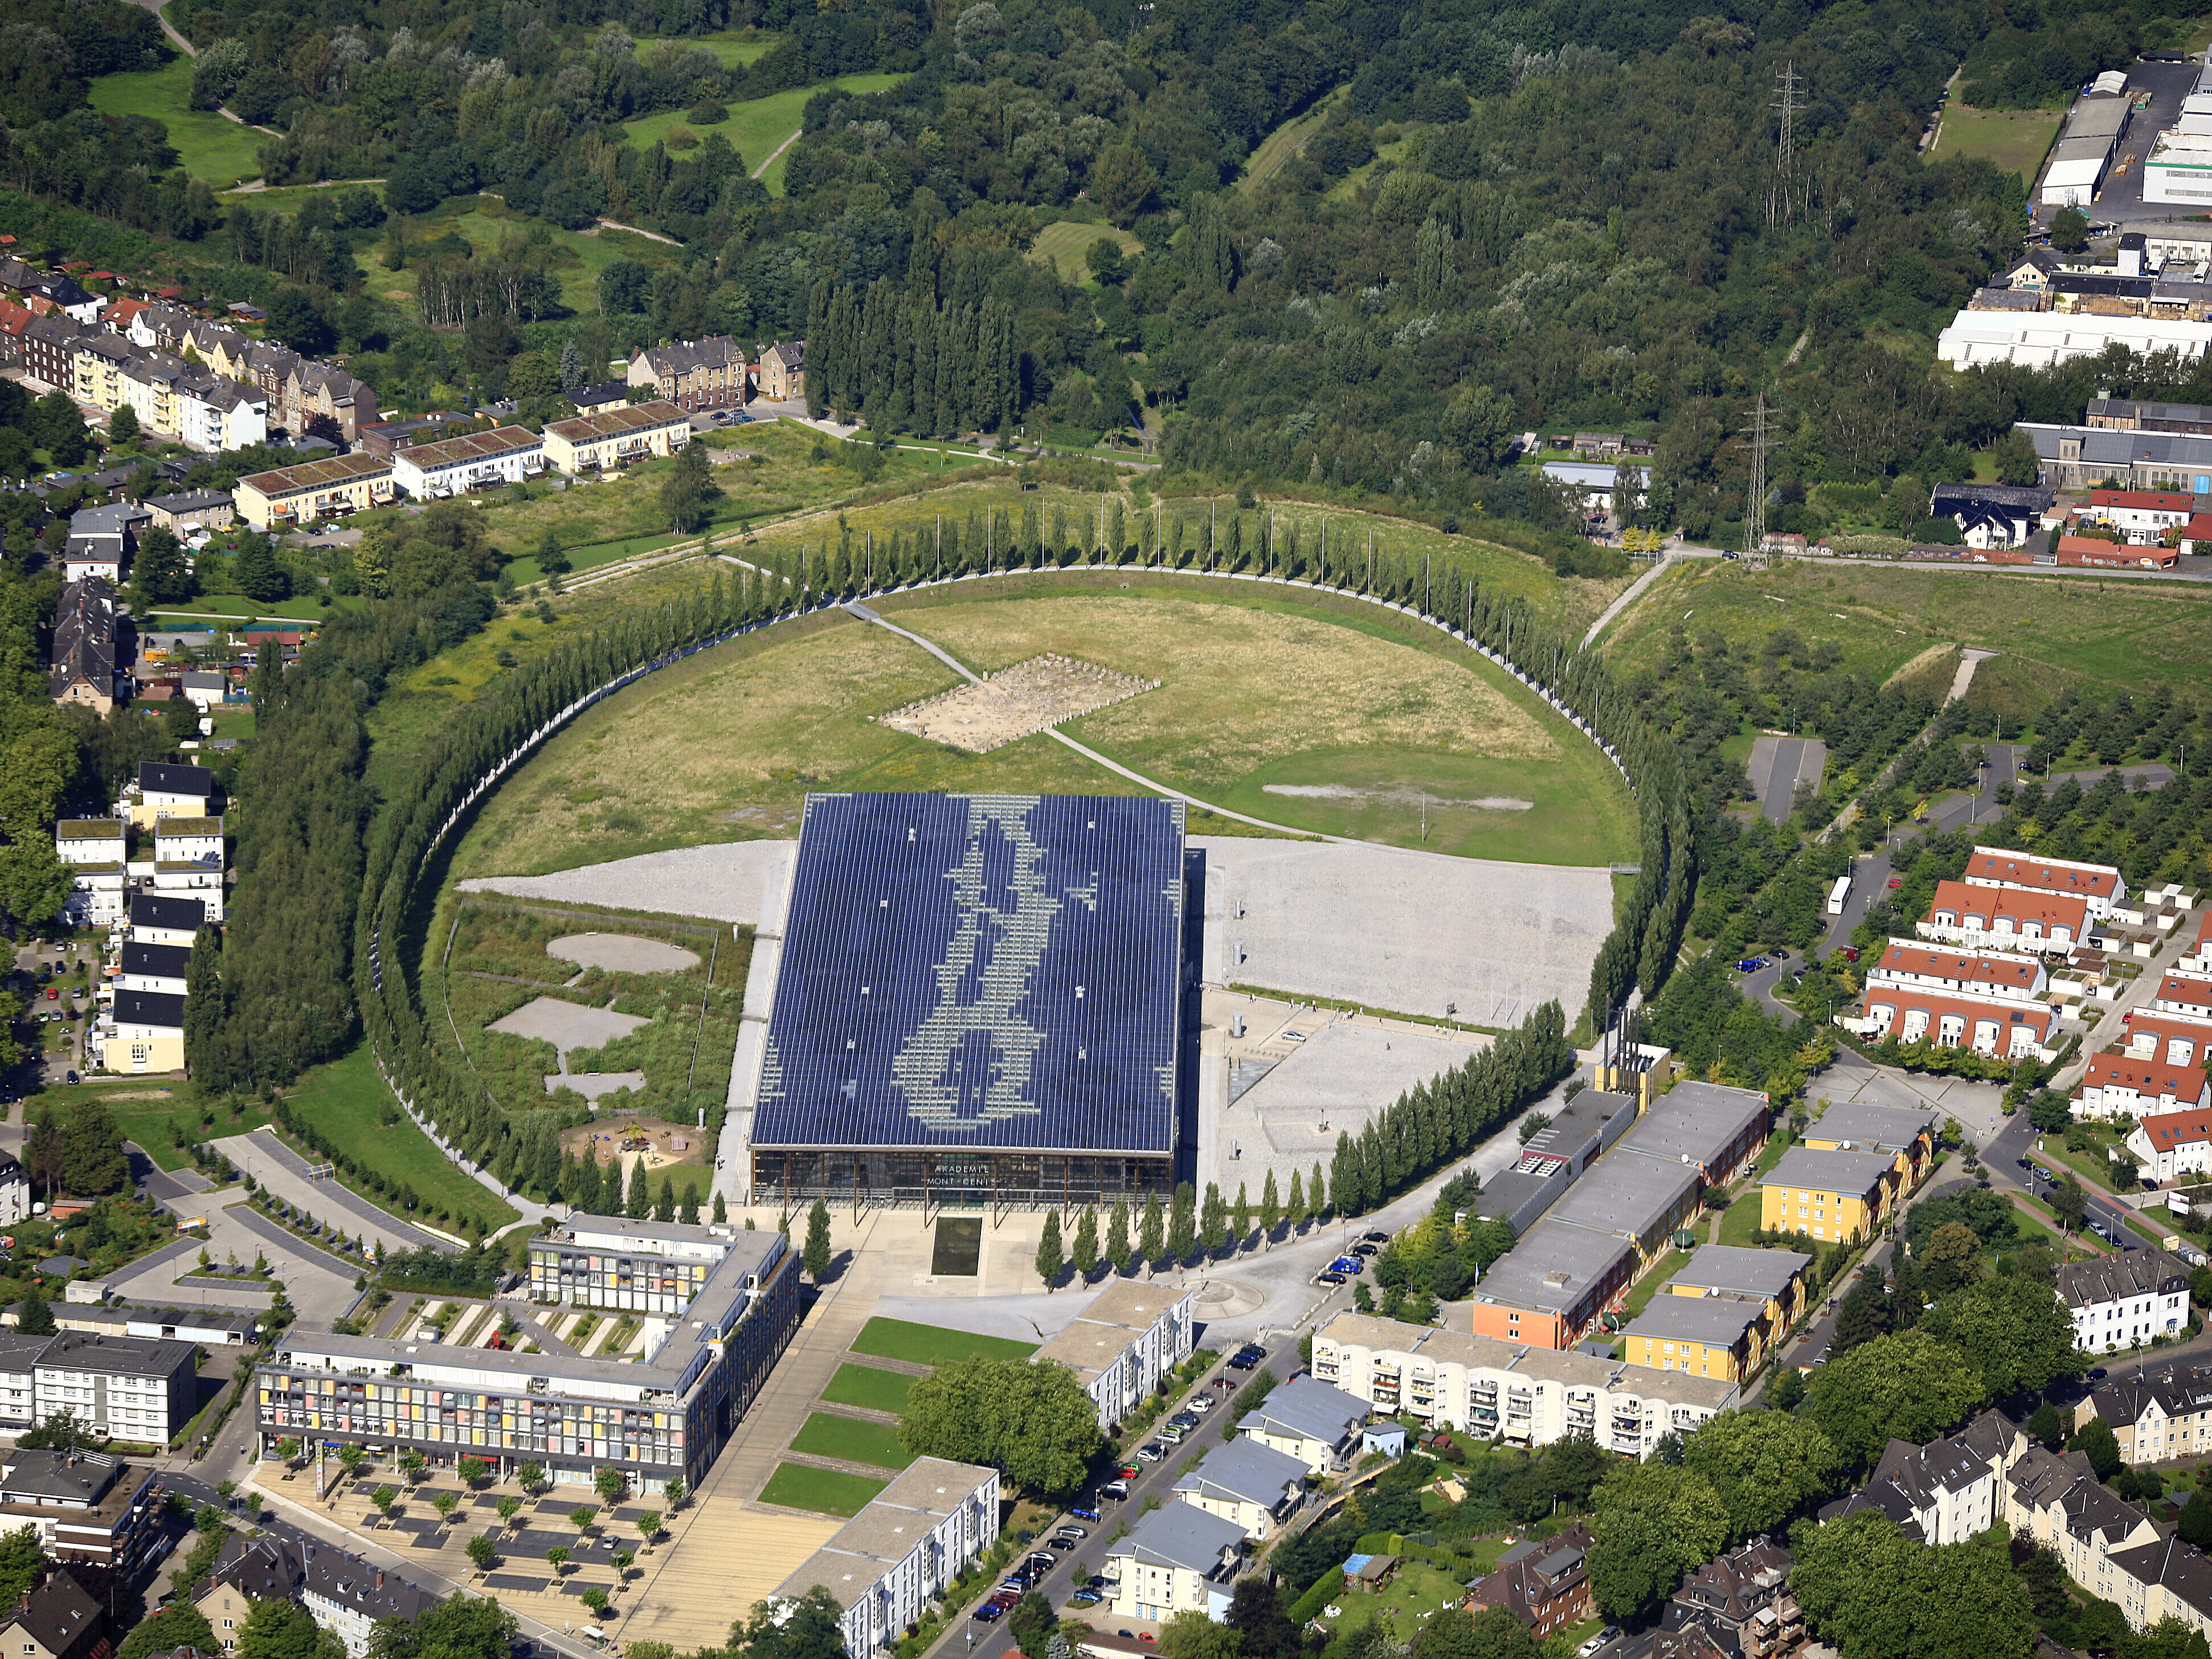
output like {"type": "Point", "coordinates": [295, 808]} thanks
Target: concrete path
{"type": "Point", "coordinates": [1969, 659]}
{"type": "Point", "coordinates": [283, 1173]}
{"type": "Point", "coordinates": [1633, 593]}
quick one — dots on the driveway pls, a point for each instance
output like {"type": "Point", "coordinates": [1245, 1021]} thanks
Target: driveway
{"type": "Point", "coordinates": [284, 1174]}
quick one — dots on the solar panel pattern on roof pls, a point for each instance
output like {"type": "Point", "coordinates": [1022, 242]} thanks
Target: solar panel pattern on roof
{"type": "Point", "coordinates": [979, 971]}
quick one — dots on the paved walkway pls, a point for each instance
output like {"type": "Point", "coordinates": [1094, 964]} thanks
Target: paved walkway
{"type": "Point", "coordinates": [283, 1173]}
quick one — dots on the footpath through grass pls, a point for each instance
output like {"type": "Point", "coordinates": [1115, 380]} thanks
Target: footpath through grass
{"type": "Point", "coordinates": [756, 128]}
{"type": "Point", "coordinates": [825, 1491]}
{"type": "Point", "coordinates": [927, 1345]}
{"type": "Point", "coordinates": [347, 1100]}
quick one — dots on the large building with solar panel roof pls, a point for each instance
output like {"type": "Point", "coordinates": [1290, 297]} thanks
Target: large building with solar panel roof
{"type": "Point", "coordinates": [979, 998]}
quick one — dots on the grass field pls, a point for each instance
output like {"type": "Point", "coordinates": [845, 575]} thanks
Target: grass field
{"type": "Point", "coordinates": [345, 1100]}
{"type": "Point", "coordinates": [1285, 141]}
{"type": "Point", "coordinates": [931, 1345]}
{"type": "Point", "coordinates": [2049, 631]}
{"type": "Point", "coordinates": [828, 1435]}
{"type": "Point", "coordinates": [867, 1386]}
{"type": "Point", "coordinates": [145, 1109]}
{"type": "Point", "coordinates": [1417, 1590]}
{"type": "Point", "coordinates": [575, 257]}
{"type": "Point", "coordinates": [825, 1491]}
{"type": "Point", "coordinates": [1254, 689]}
{"type": "Point", "coordinates": [1066, 247]}
{"type": "Point", "coordinates": [755, 128]}
{"type": "Point", "coordinates": [211, 146]}
{"type": "Point", "coordinates": [2017, 140]}
{"type": "Point", "coordinates": [307, 607]}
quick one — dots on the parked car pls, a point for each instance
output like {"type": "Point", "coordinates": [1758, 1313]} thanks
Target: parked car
{"type": "Point", "coordinates": [1850, 953]}
{"type": "Point", "coordinates": [1060, 1543]}
{"type": "Point", "coordinates": [1148, 1453]}
{"type": "Point", "coordinates": [1243, 1362]}
{"type": "Point", "coordinates": [1083, 1598]}
{"type": "Point", "coordinates": [1185, 1421]}
{"type": "Point", "coordinates": [1202, 1402]}
{"type": "Point", "coordinates": [1375, 1238]}
{"type": "Point", "coordinates": [1896, 881]}
{"type": "Point", "coordinates": [1129, 1472]}
{"type": "Point", "coordinates": [989, 1614]}
{"type": "Point", "coordinates": [1362, 1249]}
{"type": "Point", "coordinates": [1117, 1490]}
{"type": "Point", "coordinates": [1172, 1434]}
{"type": "Point", "coordinates": [1326, 1278]}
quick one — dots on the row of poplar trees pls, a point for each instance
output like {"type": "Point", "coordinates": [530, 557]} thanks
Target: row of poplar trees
{"type": "Point", "coordinates": [908, 364]}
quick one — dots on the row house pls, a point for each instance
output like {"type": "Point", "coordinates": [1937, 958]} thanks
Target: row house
{"type": "Point", "coordinates": [81, 670]}
{"type": "Point", "coordinates": [2117, 1084]}
{"type": "Point", "coordinates": [1529, 1396]}
{"type": "Point", "coordinates": [2176, 1039]}
{"type": "Point", "coordinates": [476, 460]}
{"type": "Point", "coordinates": [2157, 1414]}
{"type": "Point", "coordinates": [95, 850]}
{"type": "Point", "coordinates": [1981, 918]}
{"type": "Point", "coordinates": [2190, 992]}
{"type": "Point", "coordinates": [96, 370]}
{"type": "Point", "coordinates": [693, 374]}
{"type": "Point", "coordinates": [314, 389]}
{"type": "Point", "coordinates": [2197, 959]}
{"type": "Point", "coordinates": [2123, 1299]}
{"type": "Point", "coordinates": [2001, 1029]}
{"type": "Point", "coordinates": [48, 345]}
{"type": "Point", "coordinates": [2100, 886]}
{"type": "Point", "coordinates": [1945, 1492]}
{"type": "Point", "coordinates": [1998, 976]}
{"type": "Point", "coordinates": [2171, 1145]}
{"type": "Point", "coordinates": [2141, 516]}
{"type": "Point", "coordinates": [198, 408]}
{"type": "Point", "coordinates": [1125, 1344]}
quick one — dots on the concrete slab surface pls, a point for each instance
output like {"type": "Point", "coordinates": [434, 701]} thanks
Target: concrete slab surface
{"type": "Point", "coordinates": [725, 882]}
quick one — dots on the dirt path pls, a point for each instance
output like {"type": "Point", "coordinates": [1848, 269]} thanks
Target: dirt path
{"type": "Point", "coordinates": [649, 235]}
{"type": "Point", "coordinates": [253, 186]}
{"type": "Point", "coordinates": [761, 171]}
{"type": "Point", "coordinates": [175, 39]}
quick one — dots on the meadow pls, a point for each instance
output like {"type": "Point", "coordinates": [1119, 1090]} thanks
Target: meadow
{"type": "Point", "coordinates": [1065, 247]}
{"type": "Point", "coordinates": [211, 146]}
{"type": "Point", "coordinates": [756, 129]}
{"type": "Point", "coordinates": [2016, 140]}
{"type": "Point", "coordinates": [1257, 688]}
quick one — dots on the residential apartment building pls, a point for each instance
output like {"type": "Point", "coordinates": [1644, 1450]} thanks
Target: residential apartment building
{"type": "Point", "coordinates": [166, 789]}
{"type": "Point", "coordinates": [142, 1031]}
{"type": "Point", "coordinates": [1552, 1286]}
{"type": "Point", "coordinates": [185, 511]}
{"type": "Point", "coordinates": [1741, 1599]}
{"type": "Point", "coordinates": [637, 1266]}
{"type": "Point", "coordinates": [1906, 1132]}
{"type": "Point", "coordinates": [693, 374]}
{"type": "Point", "coordinates": [2004, 919]}
{"type": "Point", "coordinates": [1247, 1481]}
{"type": "Point", "coordinates": [15, 1192]}
{"type": "Point", "coordinates": [155, 920]}
{"type": "Point", "coordinates": [1529, 1396]}
{"type": "Point", "coordinates": [81, 670]}
{"type": "Point", "coordinates": [1945, 1492]}
{"type": "Point", "coordinates": [665, 1415]}
{"type": "Point", "coordinates": [1704, 1336]}
{"type": "Point", "coordinates": [314, 490]}
{"type": "Point", "coordinates": [886, 1565]}
{"type": "Point", "coordinates": [1543, 1582]}
{"type": "Point", "coordinates": [2170, 1145]}
{"type": "Point", "coordinates": [95, 849]}
{"type": "Point", "coordinates": [476, 460]}
{"type": "Point", "coordinates": [348, 1595]}
{"type": "Point", "coordinates": [1309, 1419]}
{"type": "Point", "coordinates": [85, 1506]}
{"type": "Point", "coordinates": [782, 370]}
{"type": "Point", "coordinates": [124, 1387]}
{"type": "Point", "coordinates": [1176, 1559]}
{"type": "Point", "coordinates": [1828, 1195]}
{"type": "Point", "coordinates": [49, 350]}
{"type": "Point", "coordinates": [1122, 1345]}
{"type": "Point", "coordinates": [2123, 1299]}
{"type": "Point", "coordinates": [315, 391]}
{"type": "Point", "coordinates": [247, 1571]}
{"type": "Point", "coordinates": [616, 437]}
{"type": "Point", "coordinates": [2159, 1413]}
{"type": "Point", "coordinates": [2100, 885]}
{"type": "Point", "coordinates": [2116, 1083]}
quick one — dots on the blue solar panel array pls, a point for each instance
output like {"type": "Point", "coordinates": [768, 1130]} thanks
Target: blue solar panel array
{"type": "Point", "coordinates": [979, 971]}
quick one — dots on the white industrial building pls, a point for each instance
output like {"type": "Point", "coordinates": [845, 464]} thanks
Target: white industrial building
{"type": "Point", "coordinates": [2037, 339]}
{"type": "Point", "coordinates": [2083, 154]}
{"type": "Point", "coordinates": [2180, 165]}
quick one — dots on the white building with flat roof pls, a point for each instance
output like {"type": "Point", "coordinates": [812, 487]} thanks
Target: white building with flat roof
{"type": "Point", "coordinates": [1131, 1336]}
{"type": "Point", "coordinates": [902, 1552]}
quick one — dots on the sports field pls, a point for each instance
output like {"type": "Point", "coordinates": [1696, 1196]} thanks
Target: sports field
{"type": "Point", "coordinates": [755, 129]}
{"type": "Point", "coordinates": [211, 146]}
{"type": "Point", "coordinates": [1255, 688]}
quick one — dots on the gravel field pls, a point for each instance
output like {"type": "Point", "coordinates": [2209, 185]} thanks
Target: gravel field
{"type": "Point", "coordinates": [723, 881]}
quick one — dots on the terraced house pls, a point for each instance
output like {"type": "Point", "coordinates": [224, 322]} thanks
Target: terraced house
{"type": "Point", "coordinates": [693, 374]}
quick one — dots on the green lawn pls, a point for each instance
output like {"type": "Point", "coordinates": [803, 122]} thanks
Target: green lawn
{"type": "Point", "coordinates": [485, 222]}
{"type": "Point", "coordinates": [1419, 1588]}
{"type": "Point", "coordinates": [867, 1386]}
{"type": "Point", "coordinates": [800, 1486]}
{"type": "Point", "coordinates": [828, 1435]}
{"type": "Point", "coordinates": [2016, 140]}
{"type": "Point", "coordinates": [1066, 247]}
{"type": "Point", "coordinates": [757, 127]}
{"type": "Point", "coordinates": [211, 146]}
{"type": "Point", "coordinates": [236, 607]}
{"type": "Point", "coordinates": [1645, 1288]}
{"type": "Point", "coordinates": [145, 1109]}
{"type": "Point", "coordinates": [930, 1345]}
{"type": "Point", "coordinates": [345, 1100]}
{"type": "Point", "coordinates": [1740, 1220]}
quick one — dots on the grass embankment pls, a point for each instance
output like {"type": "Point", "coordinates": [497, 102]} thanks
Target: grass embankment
{"type": "Point", "coordinates": [1261, 693]}
{"type": "Point", "coordinates": [869, 1387]}
{"type": "Point", "coordinates": [930, 1345]}
{"type": "Point", "coordinates": [825, 1491]}
{"type": "Point", "coordinates": [347, 1101]}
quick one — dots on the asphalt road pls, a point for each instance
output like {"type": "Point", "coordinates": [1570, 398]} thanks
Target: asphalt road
{"type": "Point", "coordinates": [1777, 764]}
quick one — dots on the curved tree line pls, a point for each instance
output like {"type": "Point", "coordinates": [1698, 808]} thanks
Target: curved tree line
{"type": "Point", "coordinates": [484, 740]}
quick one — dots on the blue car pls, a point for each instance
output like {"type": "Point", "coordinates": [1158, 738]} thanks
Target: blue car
{"type": "Point", "coordinates": [1347, 1264]}
{"type": "Point", "coordinates": [1751, 964]}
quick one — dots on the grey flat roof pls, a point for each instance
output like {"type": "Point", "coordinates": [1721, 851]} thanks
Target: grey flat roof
{"type": "Point", "coordinates": [134, 1355]}
{"type": "Point", "coordinates": [1696, 1120]}
{"type": "Point", "coordinates": [1855, 1173]}
{"type": "Point", "coordinates": [1885, 1128]}
{"type": "Point", "coordinates": [1716, 1319]}
{"type": "Point", "coordinates": [1738, 1270]}
{"type": "Point", "coordinates": [887, 1529]}
{"type": "Point", "coordinates": [1580, 1121]}
{"type": "Point", "coordinates": [1553, 1247]}
{"type": "Point", "coordinates": [1627, 1193]}
{"type": "Point", "coordinates": [1246, 1470]}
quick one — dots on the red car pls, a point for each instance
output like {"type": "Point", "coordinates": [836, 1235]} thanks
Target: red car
{"type": "Point", "coordinates": [1896, 881]}
{"type": "Point", "coordinates": [1130, 1472]}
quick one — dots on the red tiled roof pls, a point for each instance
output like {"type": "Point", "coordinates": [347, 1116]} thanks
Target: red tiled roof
{"type": "Point", "coordinates": [2052, 909]}
{"type": "Point", "coordinates": [2004, 864]}
{"type": "Point", "coordinates": [2186, 989]}
{"type": "Point", "coordinates": [2164, 500]}
{"type": "Point", "coordinates": [1906, 957]}
{"type": "Point", "coordinates": [2036, 1015]}
{"type": "Point", "coordinates": [2168, 1130]}
{"type": "Point", "coordinates": [2145, 1077]}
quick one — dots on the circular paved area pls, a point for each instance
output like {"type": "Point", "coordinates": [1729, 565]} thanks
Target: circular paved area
{"type": "Point", "coordinates": [624, 952]}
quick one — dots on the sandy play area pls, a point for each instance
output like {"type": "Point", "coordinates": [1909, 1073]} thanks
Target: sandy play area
{"type": "Point", "coordinates": [1016, 702]}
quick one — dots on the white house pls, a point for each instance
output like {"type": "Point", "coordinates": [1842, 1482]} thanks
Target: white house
{"type": "Point", "coordinates": [2100, 886]}
{"type": "Point", "coordinates": [1910, 965]}
{"type": "Point", "coordinates": [1131, 1336]}
{"type": "Point", "coordinates": [127, 1388]}
{"type": "Point", "coordinates": [161, 968]}
{"type": "Point", "coordinates": [902, 1552]}
{"type": "Point", "coordinates": [2168, 1144]}
{"type": "Point", "coordinates": [1593, 482]}
{"type": "Point", "coordinates": [1943, 1493]}
{"type": "Point", "coordinates": [93, 849]}
{"type": "Point", "coordinates": [2004, 918]}
{"type": "Point", "coordinates": [1247, 1482]}
{"type": "Point", "coordinates": [2118, 1083]}
{"type": "Point", "coordinates": [1177, 1558]}
{"type": "Point", "coordinates": [1310, 1419]}
{"type": "Point", "coordinates": [15, 1192]}
{"type": "Point", "coordinates": [167, 790]}
{"type": "Point", "coordinates": [2124, 1299]}
{"type": "Point", "coordinates": [144, 1032]}
{"type": "Point", "coordinates": [214, 414]}
{"type": "Point", "coordinates": [204, 688]}
{"type": "Point", "coordinates": [188, 840]}
{"type": "Point", "coordinates": [155, 920]}
{"type": "Point", "coordinates": [2173, 1039]}
{"type": "Point", "coordinates": [2186, 992]}
{"type": "Point", "coordinates": [347, 1596]}
{"type": "Point", "coordinates": [475, 461]}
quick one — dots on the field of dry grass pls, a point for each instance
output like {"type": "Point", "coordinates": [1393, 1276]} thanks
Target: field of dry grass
{"type": "Point", "coordinates": [726, 746]}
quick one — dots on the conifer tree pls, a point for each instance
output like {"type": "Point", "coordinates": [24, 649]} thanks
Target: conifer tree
{"type": "Point", "coordinates": [1271, 1205]}
{"type": "Point", "coordinates": [1051, 1255]}
{"type": "Point", "coordinates": [1151, 1239]}
{"type": "Point", "coordinates": [1242, 1229]}
{"type": "Point", "coordinates": [640, 1194]}
{"type": "Point", "coordinates": [1297, 1208]}
{"type": "Point", "coordinates": [1118, 1249]}
{"type": "Point", "coordinates": [1085, 1251]}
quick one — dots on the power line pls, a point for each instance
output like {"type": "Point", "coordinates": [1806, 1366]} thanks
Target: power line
{"type": "Point", "coordinates": [1754, 505]}
{"type": "Point", "coordinates": [1781, 192]}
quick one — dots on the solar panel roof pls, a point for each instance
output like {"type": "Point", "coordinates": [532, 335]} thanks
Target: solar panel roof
{"type": "Point", "coordinates": [963, 971]}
